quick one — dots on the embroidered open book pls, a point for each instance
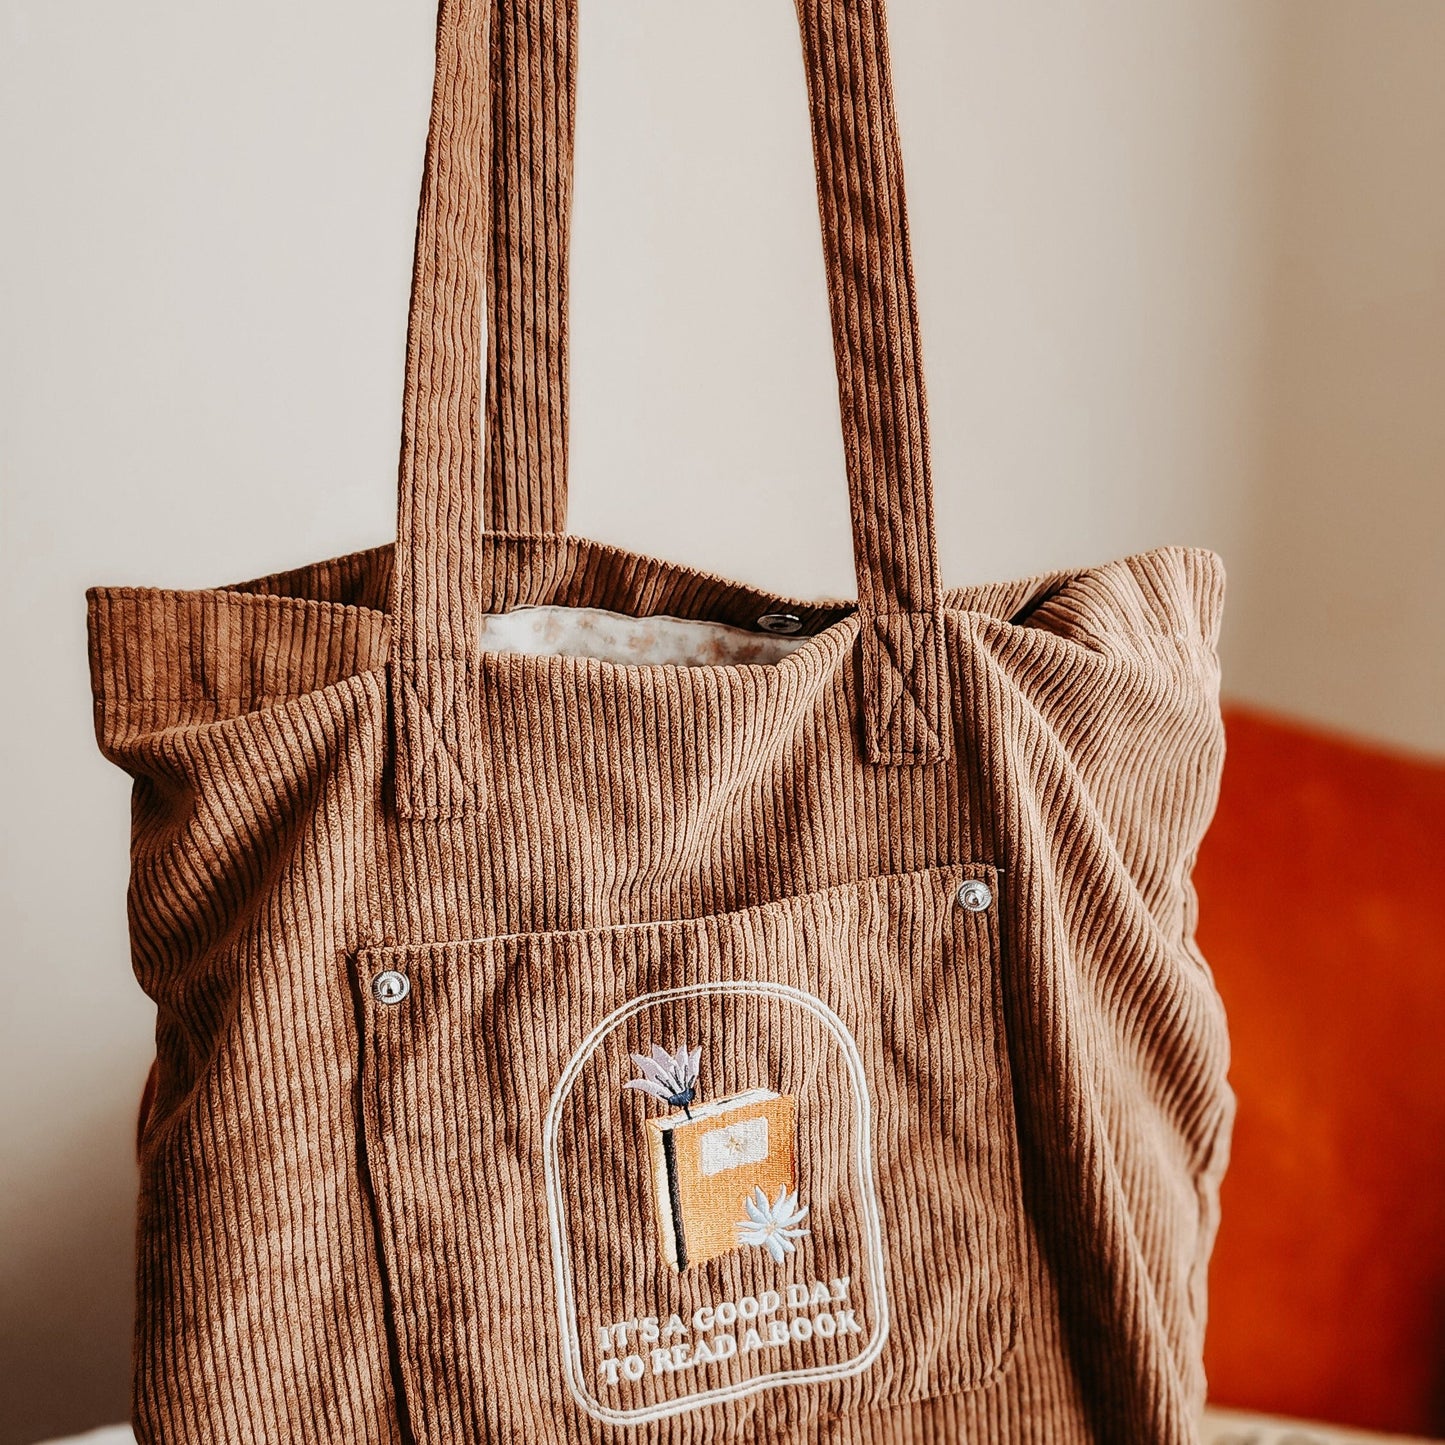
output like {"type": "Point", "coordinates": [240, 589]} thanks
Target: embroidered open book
{"type": "Point", "coordinates": [706, 1163]}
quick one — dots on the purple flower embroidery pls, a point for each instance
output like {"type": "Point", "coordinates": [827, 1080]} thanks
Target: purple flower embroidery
{"type": "Point", "coordinates": [669, 1077]}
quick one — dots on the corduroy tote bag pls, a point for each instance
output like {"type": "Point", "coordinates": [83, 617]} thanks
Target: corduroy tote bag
{"type": "Point", "coordinates": [601, 1002]}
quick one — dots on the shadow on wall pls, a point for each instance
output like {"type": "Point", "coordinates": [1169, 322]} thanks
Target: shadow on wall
{"type": "Point", "coordinates": [66, 1300]}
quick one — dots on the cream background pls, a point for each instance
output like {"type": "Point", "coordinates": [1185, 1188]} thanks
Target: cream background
{"type": "Point", "coordinates": [1182, 271]}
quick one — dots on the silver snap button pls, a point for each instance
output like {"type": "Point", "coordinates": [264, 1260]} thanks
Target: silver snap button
{"type": "Point", "coordinates": [390, 987]}
{"type": "Point", "coordinates": [783, 623]}
{"type": "Point", "coordinates": [975, 895]}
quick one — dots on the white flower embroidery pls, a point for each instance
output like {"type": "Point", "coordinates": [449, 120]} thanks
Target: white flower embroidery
{"type": "Point", "coordinates": [773, 1226]}
{"type": "Point", "coordinates": [669, 1077]}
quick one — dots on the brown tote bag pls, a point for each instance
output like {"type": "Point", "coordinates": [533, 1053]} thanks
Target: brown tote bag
{"type": "Point", "coordinates": [602, 1002]}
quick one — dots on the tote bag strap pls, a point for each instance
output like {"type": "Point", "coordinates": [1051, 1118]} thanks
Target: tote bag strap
{"type": "Point", "coordinates": [533, 121]}
{"type": "Point", "coordinates": [526, 223]}
{"type": "Point", "coordinates": [442, 512]}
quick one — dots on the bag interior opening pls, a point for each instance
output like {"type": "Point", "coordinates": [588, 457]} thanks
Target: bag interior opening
{"type": "Point", "coordinates": [555, 631]}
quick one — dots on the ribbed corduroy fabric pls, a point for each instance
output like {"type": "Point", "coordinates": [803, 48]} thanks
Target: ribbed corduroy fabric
{"type": "Point", "coordinates": [490, 985]}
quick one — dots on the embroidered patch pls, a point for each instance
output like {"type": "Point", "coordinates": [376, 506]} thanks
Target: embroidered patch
{"type": "Point", "coordinates": [729, 1129]}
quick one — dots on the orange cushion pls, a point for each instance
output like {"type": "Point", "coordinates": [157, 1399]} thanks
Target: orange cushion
{"type": "Point", "coordinates": [1322, 913]}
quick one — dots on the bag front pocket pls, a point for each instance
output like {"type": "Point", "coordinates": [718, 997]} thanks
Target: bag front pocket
{"type": "Point", "coordinates": [751, 1162]}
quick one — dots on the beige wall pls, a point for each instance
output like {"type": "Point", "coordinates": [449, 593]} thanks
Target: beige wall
{"type": "Point", "coordinates": [1338, 607]}
{"type": "Point", "coordinates": [1181, 272]}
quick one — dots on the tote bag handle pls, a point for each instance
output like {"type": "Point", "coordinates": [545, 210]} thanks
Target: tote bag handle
{"type": "Point", "coordinates": [442, 511]}
{"type": "Point", "coordinates": [533, 122]}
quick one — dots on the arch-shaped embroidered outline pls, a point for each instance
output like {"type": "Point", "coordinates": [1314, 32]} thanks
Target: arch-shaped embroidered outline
{"type": "Point", "coordinates": [561, 1259]}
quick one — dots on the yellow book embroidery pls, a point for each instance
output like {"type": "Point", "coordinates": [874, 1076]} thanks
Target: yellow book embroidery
{"type": "Point", "coordinates": [724, 1173]}
{"type": "Point", "coordinates": [705, 1167]}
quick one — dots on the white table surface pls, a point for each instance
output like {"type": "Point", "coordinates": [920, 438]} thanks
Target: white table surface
{"type": "Point", "coordinates": [1221, 1427]}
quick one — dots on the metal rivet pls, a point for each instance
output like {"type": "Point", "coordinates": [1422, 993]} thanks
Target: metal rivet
{"type": "Point", "coordinates": [390, 987]}
{"type": "Point", "coordinates": [975, 896]}
{"type": "Point", "coordinates": [783, 623]}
